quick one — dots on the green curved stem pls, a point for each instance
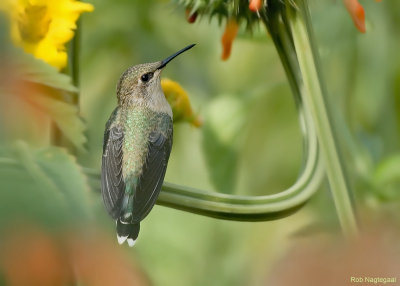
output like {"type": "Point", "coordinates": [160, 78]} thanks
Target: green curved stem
{"type": "Point", "coordinates": [314, 97]}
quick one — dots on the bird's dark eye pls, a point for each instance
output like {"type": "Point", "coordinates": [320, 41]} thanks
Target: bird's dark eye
{"type": "Point", "coordinates": [146, 77]}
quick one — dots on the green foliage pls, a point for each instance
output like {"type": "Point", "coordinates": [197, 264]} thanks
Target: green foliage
{"type": "Point", "coordinates": [361, 81]}
{"type": "Point", "coordinates": [55, 103]}
{"type": "Point", "coordinates": [386, 179]}
{"type": "Point", "coordinates": [223, 137]}
{"type": "Point", "coordinates": [65, 116]}
{"type": "Point", "coordinates": [43, 186]}
{"type": "Point", "coordinates": [44, 89]}
{"type": "Point", "coordinates": [222, 10]}
{"type": "Point", "coordinates": [37, 71]}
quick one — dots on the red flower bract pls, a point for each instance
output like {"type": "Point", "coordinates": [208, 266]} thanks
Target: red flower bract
{"type": "Point", "coordinates": [190, 17]}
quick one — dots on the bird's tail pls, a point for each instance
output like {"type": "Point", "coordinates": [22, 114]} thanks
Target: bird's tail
{"type": "Point", "coordinates": [127, 232]}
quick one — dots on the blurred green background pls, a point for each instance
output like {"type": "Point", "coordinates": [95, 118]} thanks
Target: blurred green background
{"type": "Point", "coordinates": [250, 142]}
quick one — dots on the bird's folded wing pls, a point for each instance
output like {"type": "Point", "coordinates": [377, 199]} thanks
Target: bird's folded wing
{"type": "Point", "coordinates": [112, 182]}
{"type": "Point", "coordinates": [152, 177]}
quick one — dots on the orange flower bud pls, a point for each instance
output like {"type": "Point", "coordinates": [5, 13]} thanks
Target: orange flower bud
{"type": "Point", "coordinates": [255, 5]}
{"type": "Point", "coordinates": [190, 17]}
{"type": "Point", "coordinates": [229, 35]}
{"type": "Point", "coordinates": [357, 14]}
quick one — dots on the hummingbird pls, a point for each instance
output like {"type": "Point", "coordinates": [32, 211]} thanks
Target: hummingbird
{"type": "Point", "coordinates": [137, 145]}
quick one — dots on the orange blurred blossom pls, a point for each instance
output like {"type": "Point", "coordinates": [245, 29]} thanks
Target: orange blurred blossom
{"type": "Point", "coordinates": [231, 30]}
{"type": "Point", "coordinates": [357, 13]}
{"type": "Point", "coordinates": [35, 257]}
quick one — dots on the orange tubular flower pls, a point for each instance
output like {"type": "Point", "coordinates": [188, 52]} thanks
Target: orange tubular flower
{"type": "Point", "coordinates": [357, 14]}
{"type": "Point", "coordinates": [229, 35]}
{"type": "Point", "coordinates": [255, 5]}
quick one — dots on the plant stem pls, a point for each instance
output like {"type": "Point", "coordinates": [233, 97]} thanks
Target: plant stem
{"type": "Point", "coordinates": [74, 60]}
{"type": "Point", "coordinates": [315, 98]}
{"type": "Point", "coordinates": [71, 97]}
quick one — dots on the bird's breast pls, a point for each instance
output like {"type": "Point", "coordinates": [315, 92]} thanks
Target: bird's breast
{"type": "Point", "coordinates": [138, 124]}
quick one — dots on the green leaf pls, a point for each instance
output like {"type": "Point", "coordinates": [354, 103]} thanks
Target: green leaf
{"type": "Point", "coordinates": [44, 186]}
{"type": "Point", "coordinates": [65, 115]}
{"type": "Point", "coordinates": [46, 90]}
{"type": "Point", "coordinates": [38, 71]}
{"type": "Point", "coordinates": [222, 137]}
{"type": "Point", "coordinates": [386, 178]}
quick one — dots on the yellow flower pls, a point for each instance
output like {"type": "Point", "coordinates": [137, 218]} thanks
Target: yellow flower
{"type": "Point", "coordinates": [43, 27]}
{"type": "Point", "coordinates": [180, 104]}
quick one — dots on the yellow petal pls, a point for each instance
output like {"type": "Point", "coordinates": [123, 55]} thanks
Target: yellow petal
{"type": "Point", "coordinates": [43, 27]}
{"type": "Point", "coordinates": [48, 52]}
{"type": "Point", "coordinates": [178, 98]}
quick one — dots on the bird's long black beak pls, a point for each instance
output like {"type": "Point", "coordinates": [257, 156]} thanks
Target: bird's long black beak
{"type": "Point", "coordinates": [170, 58]}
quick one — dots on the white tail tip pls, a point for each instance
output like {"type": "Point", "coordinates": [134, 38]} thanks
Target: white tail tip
{"type": "Point", "coordinates": [131, 242]}
{"type": "Point", "coordinates": [121, 239]}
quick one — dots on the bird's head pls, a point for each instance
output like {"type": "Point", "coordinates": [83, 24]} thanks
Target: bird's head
{"type": "Point", "coordinates": [139, 83]}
